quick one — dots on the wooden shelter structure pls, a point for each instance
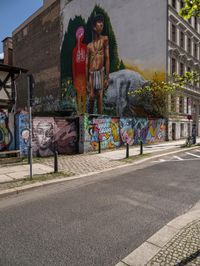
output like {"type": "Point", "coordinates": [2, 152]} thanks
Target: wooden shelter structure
{"type": "Point", "coordinates": [8, 75]}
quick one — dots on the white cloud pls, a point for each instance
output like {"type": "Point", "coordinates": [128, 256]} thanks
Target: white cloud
{"type": "Point", "coordinates": [1, 55]}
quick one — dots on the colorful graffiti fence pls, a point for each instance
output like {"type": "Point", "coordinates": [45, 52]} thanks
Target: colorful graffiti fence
{"type": "Point", "coordinates": [114, 132]}
{"type": "Point", "coordinates": [49, 133]}
{"type": "Point", "coordinates": [6, 138]}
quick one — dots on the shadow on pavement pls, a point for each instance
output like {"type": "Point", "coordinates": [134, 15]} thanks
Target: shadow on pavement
{"type": "Point", "coordinates": [189, 259]}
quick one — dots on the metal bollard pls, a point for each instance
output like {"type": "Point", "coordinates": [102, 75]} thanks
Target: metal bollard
{"type": "Point", "coordinates": [127, 150]}
{"type": "Point", "coordinates": [55, 162]}
{"type": "Point", "coordinates": [99, 146]}
{"type": "Point", "coordinates": [141, 147]}
{"type": "Point", "coordinates": [28, 155]}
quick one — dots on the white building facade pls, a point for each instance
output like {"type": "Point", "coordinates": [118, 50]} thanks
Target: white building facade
{"type": "Point", "coordinates": [183, 55]}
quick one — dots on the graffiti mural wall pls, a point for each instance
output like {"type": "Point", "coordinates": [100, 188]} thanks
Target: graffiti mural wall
{"type": "Point", "coordinates": [43, 136]}
{"type": "Point", "coordinates": [22, 133]}
{"type": "Point", "coordinates": [54, 133]}
{"type": "Point", "coordinates": [156, 131]}
{"type": "Point", "coordinates": [49, 133]}
{"type": "Point", "coordinates": [6, 138]}
{"type": "Point", "coordinates": [66, 135]}
{"type": "Point", "coordinates": [134, 130]}
{"type": "Point", "coordinates": [104, 59]}
{"type": "Point", "coordinates": [104, 129]}
{"type": "Point", "coordinates": [74, 135]}
{"type": "Point", "coordinates": [115, 132]}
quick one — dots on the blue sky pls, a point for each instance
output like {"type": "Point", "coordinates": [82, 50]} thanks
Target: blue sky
{"type": "Point", "coordinates": [13, 13]}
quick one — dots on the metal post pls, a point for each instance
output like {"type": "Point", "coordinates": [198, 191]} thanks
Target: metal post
{"type": "Point", "coordinates": [55, 161]}
{"type": "Point", "coordinates": [99, 146]}
{"type": "Point", "coordinates": [141, 147]}
{"type": "Point", "coordinates": [127, 150]}
{"type": "Point", "coordinates": [30, 126]}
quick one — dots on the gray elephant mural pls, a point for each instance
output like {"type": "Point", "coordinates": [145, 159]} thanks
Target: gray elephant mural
{"type": "Point", "coordinates": [118, 96]}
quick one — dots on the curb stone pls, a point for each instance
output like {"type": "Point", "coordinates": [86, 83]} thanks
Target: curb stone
{"type": "Point", "coordinates": [17, 190]}
{"type": "Point", "coordinates": [151, 247]}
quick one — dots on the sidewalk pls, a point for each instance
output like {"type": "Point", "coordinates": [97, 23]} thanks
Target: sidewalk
{"type": "Point", "coordinates": [85, 163]}
{"type": "Point", "coordinates": [176, 244]}
{"type": "Point", "coordinates": [12, 173]}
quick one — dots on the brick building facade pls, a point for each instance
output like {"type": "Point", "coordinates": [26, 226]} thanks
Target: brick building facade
{"type": "Point", "coordinates": [36, 47]}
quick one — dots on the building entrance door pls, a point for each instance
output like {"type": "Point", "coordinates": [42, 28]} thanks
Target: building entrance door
{"type": "Point", "coordinates": [173, 131]}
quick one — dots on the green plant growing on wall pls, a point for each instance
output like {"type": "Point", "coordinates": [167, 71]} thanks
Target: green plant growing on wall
{"type": "Point", "coordinates": [108, 31]}
{"type": "Point", "coordinates": [157, 92]}
{"type": "Point", "coordinates": [188, 79]}
{"type": "Point", "coordinates": [191, 8]}
{"type": "Point", "coordinates": [68, 97]}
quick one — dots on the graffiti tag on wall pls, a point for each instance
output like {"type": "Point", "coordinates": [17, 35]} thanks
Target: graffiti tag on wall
{"type": "Point", "coordinates": [5, 133]}
{"type": "Point", "coordinates": [134, 130]}
{"type": "Point", "coordinates": [104, 129]}
{"type": "Point", "coordinates": [22, 133]}
{"type": "Point", "coordinates": [66, 136]}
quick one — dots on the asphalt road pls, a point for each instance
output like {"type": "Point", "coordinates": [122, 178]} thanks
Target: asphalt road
{"type": "Point", "coordinates": [96, 220]}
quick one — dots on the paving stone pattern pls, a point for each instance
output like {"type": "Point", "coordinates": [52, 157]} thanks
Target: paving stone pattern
{"type": "Point", "coordinates": [82, 164]}
{"type": "Point", "coordinates": [183, 249]}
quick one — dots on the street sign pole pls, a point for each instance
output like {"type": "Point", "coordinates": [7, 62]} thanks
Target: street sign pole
{"type": "Point", "coordinates": [29, 81]}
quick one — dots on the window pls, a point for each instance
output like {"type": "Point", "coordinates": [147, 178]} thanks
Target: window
{"type": "Point", "coordinates": [173, 67]}
{"type": "Point", "coordinates": [190, 20]}
{"type": "Point", "coordinates": [173, 103]}
{"type": "Point", "coordinates": [174, 3]}
{"type": "Point", "coordinates": [182, 4]}
{"type": "Point", "coordinates": [173, 33]}
{"type": "Point", "coordinates": [195, 50]}
{"type": "Point", "coordinates": [182, 40]}
{"type": "Point", "coordinates": [181, 104]}
{"type": "Point", "coordinates": [195, 23]}
{"type": "Point", "coordinates": [181, 69]}
{"type": "Point", "coordinates": [188, 105]}
{"type": "Point", "coordinates": [189, 45]}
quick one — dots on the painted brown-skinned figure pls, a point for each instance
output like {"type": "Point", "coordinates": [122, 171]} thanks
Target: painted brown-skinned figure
{"type": "Point", "coordinates": [97, 65]}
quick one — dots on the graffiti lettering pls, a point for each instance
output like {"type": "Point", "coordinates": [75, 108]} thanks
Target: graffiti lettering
{"type": "Point", "coordinates": [5, 134]}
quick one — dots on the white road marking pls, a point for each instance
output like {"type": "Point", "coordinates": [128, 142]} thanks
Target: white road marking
{"type": "Point", "coordinates": [197, 150]}
{"type": "Point", "coordinates": [195, 155]}
{"type": "Point", "coordinates": [178, 158]}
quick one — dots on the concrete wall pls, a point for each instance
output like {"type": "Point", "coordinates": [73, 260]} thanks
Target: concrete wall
{"type": "Point", "coordinates": [36, 48]}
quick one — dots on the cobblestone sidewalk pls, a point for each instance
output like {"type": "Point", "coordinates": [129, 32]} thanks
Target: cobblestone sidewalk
{"type": "Point", "coordinates": [183, 249]}
{"type": "Point", "coordinates": [82, 164]}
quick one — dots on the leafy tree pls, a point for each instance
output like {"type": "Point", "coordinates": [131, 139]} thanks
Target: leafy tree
{"type": "Point", "coordinates": [191, 8]}
{"type": "Point", "coordinates": [188, 79]}
{"type": "Point", "coordinates": [108, 30]}
{"type": "Point", "coordinates": [157, 92]}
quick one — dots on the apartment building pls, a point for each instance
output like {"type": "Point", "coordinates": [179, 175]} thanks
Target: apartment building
{"type": "Point", "coordinates": [183, 55]}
